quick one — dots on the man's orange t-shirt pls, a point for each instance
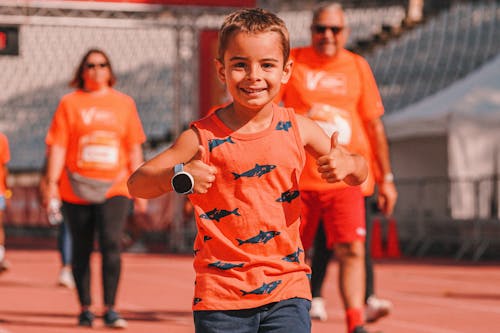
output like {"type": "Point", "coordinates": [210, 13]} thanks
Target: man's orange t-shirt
{"type": "Point", "coordinates": [4, 159]}
{"type": "Point", "coordinates": [248, 251]}
{"type": "Point", "coordinates": [341, 95]}
{"type": "Point", "coordinates": [98, 132]}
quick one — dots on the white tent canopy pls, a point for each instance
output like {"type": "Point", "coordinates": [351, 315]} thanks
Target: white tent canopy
{"type": "Point", "coordinates": [476, 96]}
{"type": "Point", "coordinates": [467, 114]}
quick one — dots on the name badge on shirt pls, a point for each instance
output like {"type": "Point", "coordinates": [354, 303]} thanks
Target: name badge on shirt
{"type": "Point", "coordinates": [99, 150]}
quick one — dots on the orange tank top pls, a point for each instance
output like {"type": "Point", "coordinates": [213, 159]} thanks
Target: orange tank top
{"type": "Point", "coordinates": [248, 251]}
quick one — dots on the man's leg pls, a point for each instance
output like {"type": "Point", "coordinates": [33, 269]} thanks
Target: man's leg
{"type": "Point", "coordinates": [344, 222]}
{"type": "Point", "coordinates": [350, 257]}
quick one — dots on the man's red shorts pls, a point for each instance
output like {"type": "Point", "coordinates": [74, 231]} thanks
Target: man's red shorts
{"type": "Point", "coordinates": [342, 212]}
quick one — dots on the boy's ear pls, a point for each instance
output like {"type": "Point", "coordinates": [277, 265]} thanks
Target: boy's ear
{"type": "Point", "coordinates": [287, 71]}
{"type": "Point", "coordinates": [219, 68]}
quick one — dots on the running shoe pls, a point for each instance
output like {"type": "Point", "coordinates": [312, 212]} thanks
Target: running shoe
{"type": "Point", "coordinates": [86, 319]}
{"type": "Point", "coordinates": [66, 278]}
{"type": "Point", "coordinates": [113, 320]}
{"type": "Point", "coordinates": [376, 308]}
{"type": "Point", "coordinates": [318, 310]}
{"type": "Point", "coordinates": [4, 266]}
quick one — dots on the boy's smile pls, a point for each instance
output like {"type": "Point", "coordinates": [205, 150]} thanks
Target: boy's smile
{"type": "Point", "coordinates": [253, 69]}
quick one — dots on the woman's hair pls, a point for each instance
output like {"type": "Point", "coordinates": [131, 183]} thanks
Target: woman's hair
{"type": "Point", "coordinates": [252, 20]}
{"type": "Point", "coordinates": [77, 81]}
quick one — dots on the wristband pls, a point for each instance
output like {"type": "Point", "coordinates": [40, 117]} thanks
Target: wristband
{"type": "Point", "coordinates": [389, 178]}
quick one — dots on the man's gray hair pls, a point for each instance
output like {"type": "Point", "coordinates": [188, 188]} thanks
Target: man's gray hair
{"type": "Point", "coordinates": [325, 5]}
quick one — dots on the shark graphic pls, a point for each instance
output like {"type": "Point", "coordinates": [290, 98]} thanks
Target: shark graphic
{"type": "Point", "coordinates": [196, 300]}
{"type": "Point", "coordinates": [266, 288]}
{"type": "Point", "coordinates": [283, 125]}
{"type": "Point", "coordinates": [261, 237]}
{"type": "Point", "coordinates": [224, 265]}
{"type": "Point", "coordinates": [258, 171]}
{"type": "Point", "coordinates": [218, 214]}
{"type": "Point", "coordinates": [293, 257]}
{"type": "Point", "coordinates": [288, 196]}
{"type": "Point", "coordinates": [213, 143]}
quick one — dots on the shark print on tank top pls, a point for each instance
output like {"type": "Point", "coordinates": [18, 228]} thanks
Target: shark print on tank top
{"type": "Point", "coordinates": [248, 251]}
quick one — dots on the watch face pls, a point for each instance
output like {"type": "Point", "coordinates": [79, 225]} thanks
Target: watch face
{"type": "Point", "coordinates": [182, 183]}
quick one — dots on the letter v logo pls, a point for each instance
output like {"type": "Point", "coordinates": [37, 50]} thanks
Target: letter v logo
{"type": "Point", "coordinates": [312, 79]}
{"type": "Point", "coordinates": [87, 115]}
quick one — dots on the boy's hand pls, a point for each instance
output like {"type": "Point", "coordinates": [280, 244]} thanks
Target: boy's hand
{"type": "Point", "coordinates": [203, 174]}
{"type": "Point", "coordinates": [337, 164]}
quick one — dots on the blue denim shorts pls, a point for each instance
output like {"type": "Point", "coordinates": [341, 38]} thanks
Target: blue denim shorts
{"type": "Point", "coordinates": [2, 202]}
{"type": "Point", "coordinates": [288, 316]}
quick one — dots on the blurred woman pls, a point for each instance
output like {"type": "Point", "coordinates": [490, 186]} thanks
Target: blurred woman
{"type": "Point", "coordinates": [94, 143]}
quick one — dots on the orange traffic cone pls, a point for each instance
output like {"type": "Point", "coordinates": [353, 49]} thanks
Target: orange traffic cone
{"type": "Point", "coordinates": [376, 246]}
{"type": "Point", "coordinates": [393, 250]}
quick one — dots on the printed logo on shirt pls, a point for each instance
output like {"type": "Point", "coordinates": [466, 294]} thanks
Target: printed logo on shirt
{"type": "Point", "coordinates": [332, 119]}
{"type": "Point", "coordinates": [94, 115]}
{"type": "Point", "coordinates": [324, 81]}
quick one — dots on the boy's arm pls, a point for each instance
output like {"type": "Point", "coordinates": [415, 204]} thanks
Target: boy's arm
{"type": "Point", "coordinates": [153, 177]}
{"type": "Point", "coordinates": [335, 163]}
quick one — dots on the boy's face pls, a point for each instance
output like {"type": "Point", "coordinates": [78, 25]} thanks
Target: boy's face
{"type": "Point", "coordinates": [253, 68]}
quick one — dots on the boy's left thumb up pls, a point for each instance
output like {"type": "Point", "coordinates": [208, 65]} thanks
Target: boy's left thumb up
{"type": "Point", "coordinates": [334, 140]}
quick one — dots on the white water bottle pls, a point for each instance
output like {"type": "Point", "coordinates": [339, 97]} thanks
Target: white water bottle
{"type": "Point", "coordinates": [54, 213]}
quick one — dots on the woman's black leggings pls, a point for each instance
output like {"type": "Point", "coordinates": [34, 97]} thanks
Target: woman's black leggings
{"type": "Point", "coordinates": [108, 220]}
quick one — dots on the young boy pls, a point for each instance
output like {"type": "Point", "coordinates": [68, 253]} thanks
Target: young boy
{"type": "Point", "coordinates": [242, 164]}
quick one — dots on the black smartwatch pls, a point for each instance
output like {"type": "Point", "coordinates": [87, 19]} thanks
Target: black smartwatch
{"type": "Point", "coordinates": [182, 181]}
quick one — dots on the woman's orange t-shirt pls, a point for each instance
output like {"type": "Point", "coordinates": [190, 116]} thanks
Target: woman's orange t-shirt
{"type": "Point", "coordinates": [98, 132]}
{"type": "Point", "coordinates": [248, 251]}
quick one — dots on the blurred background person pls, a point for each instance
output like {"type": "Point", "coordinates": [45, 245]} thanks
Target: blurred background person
{"type": "Point", "coordinates": [5, 194]}
{"type": "Point", "coordinates": [64, 244]}
{"type": "Point", "coordinates": [94, 142]}
{"type": "Point", "coordinates": [337, 89]}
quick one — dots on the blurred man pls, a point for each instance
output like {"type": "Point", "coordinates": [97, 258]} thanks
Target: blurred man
{"type": "Point", "coordinates": [336, 88]}
{"type": "Point", "coordinates": [4, 195]}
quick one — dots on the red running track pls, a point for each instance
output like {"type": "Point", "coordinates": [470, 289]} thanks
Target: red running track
{"type": "Point", "coordinates": [156, 290]}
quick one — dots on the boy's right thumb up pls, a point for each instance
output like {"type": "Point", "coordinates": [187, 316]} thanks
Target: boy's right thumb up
{"type": "Point", "coordinates": [200, 154]}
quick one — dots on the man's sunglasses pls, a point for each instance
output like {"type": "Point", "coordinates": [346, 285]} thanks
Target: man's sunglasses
{"type": "Point", "coordinates": [321, 29]}
{"type": "Point", "coordinates": [101, 65]}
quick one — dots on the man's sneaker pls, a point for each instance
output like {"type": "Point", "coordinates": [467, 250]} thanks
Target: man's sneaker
{"type": "Point", "coordinates": [359, 329]}
{"type": "Point", "coordinates": [318, 310]}
{"type": "Point", "coordinates": [86, 319]}
{"type": "Point", "coordinates": [4, 266]}
{"type": "Point", "coordinates": [376, 308]}
{"type": "Point", "coordinates": [66, 278]}
{"type": "Point", "coordinates": [112, 319]}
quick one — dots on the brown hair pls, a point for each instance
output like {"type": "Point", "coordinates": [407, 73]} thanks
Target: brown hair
{"type": "Point", "coordinates": [77, 81]}
{"type": "Point", "coordinates": [252, 20]}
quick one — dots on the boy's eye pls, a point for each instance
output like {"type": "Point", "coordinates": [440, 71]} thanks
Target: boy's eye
{"type": "Point", "coordinates": [239, 65]}
{"type": "Point", "coordinates": [267, 65]}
